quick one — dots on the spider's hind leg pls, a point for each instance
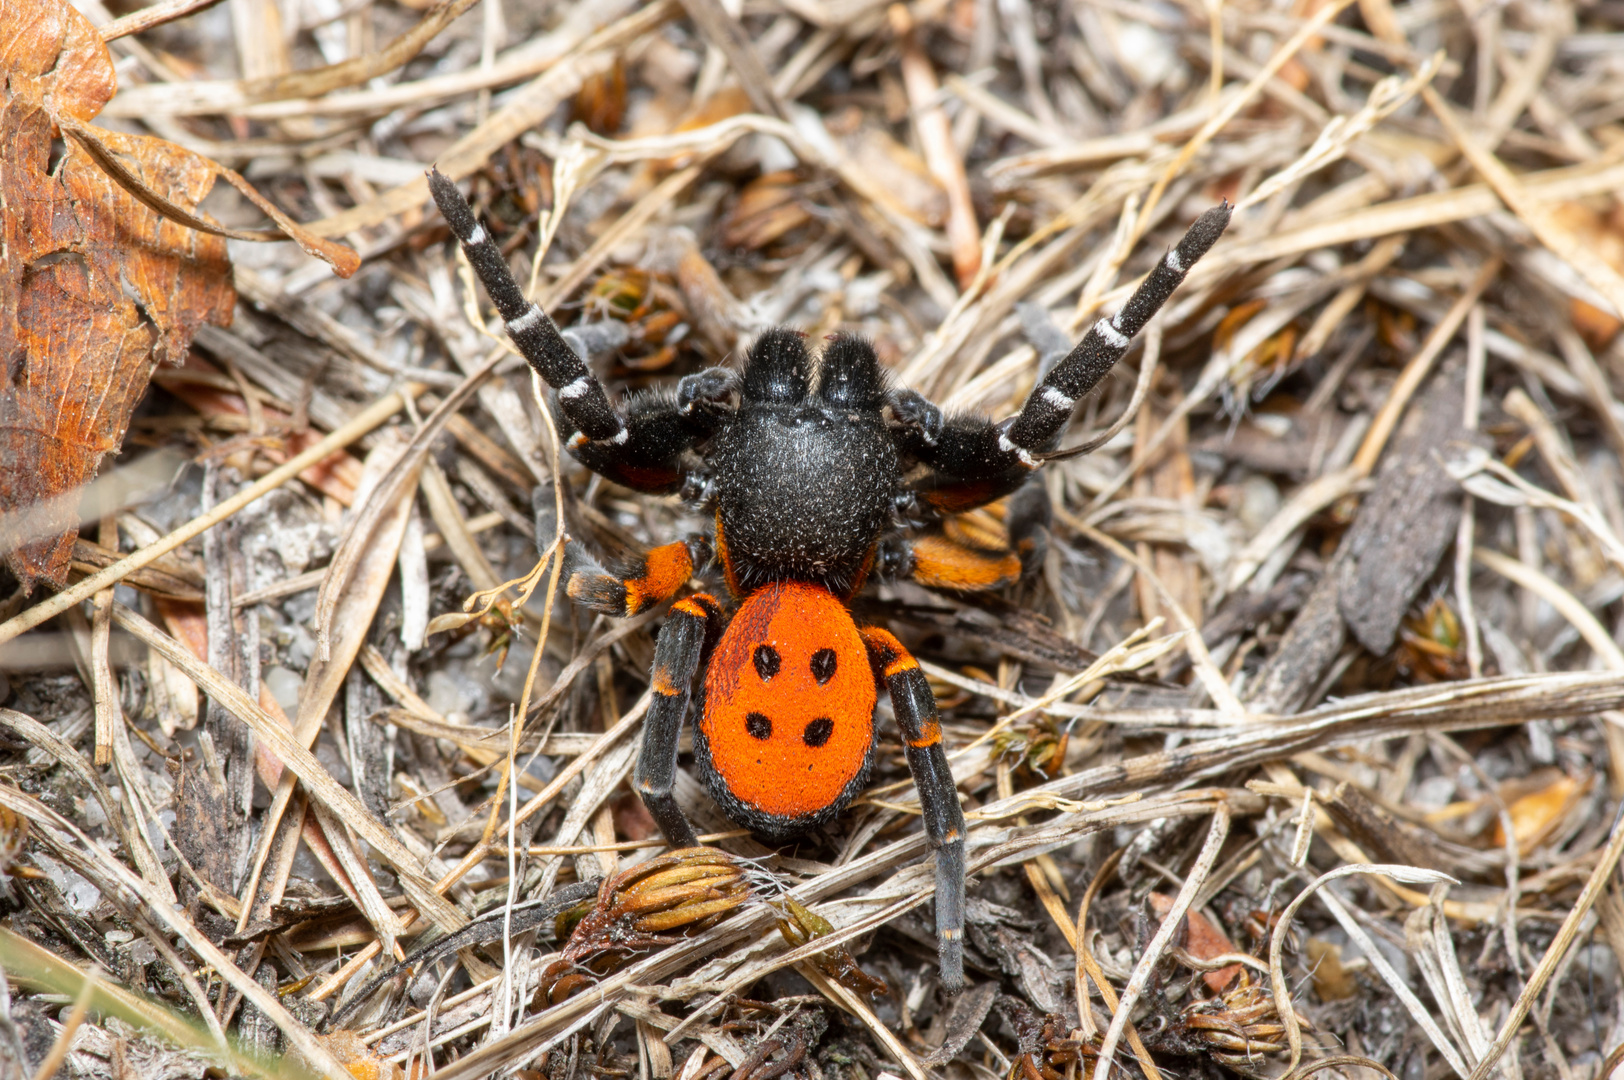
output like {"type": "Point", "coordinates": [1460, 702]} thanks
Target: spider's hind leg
{"type": "Point", "coordinates": [915, 709]}
{"type": "Point", "coordinates": [680, 650]}
{"type": "Point", "coordinates": [645, 580]}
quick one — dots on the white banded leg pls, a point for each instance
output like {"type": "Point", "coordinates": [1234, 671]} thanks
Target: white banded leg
{"type": "Point", "coordinates": [581, 396]}
{"type": "Point", "coordinates": [1048, 409]}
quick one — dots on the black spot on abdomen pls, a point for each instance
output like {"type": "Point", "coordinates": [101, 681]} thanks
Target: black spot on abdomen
{"type": "Point", "coordinates": [766, 660]}
{"type": "Point", "coordinates": [760, 727]}
{"type": "Point", "coordinates": [817, 732]}
{"type": "Point", "coordinates": [823, 665]}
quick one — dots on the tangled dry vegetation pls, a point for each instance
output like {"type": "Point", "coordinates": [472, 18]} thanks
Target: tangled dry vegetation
{"type": "Point", "coordinates": [1304, 753]}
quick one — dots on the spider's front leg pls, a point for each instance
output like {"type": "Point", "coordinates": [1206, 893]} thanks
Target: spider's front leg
{"type": "Point", "coordinates": [640, 450]}
{"type": "Point", "coordinates": [974, 461]}
{"type": "Point", "coordinates": [660, 428]}
{"type": "Point", "coordinates": [684, 641]}
{"type": "Point", "coordinates": [580, 394]}
{"type": "Point", "coordinates": [1049, 407]}
{"type": "Point", "coordinates": [915, 709]}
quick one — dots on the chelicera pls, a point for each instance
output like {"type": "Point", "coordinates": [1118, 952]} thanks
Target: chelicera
{"type": "Point", "coordinates": [804, 464]}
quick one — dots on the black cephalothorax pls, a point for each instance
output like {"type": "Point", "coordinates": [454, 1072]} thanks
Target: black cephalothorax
{"type": "Point", "coordinates": [805, 465]}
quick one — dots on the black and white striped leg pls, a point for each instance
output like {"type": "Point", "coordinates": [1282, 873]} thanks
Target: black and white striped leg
{"type": "Point", "coordinates": [580, 394]}
{"type": "Point", "coordinates": [684, 640]}
{"type": "Point", "coordinates": [969, 465]}
{"type": "Point", "coordinates": [974, 461]}
{"type": "Point", "coordinates": [660, 429]}
{"type": "Point", "coordinates": [915, 709]}
{"type": "Point", "coordinates": [1048, 409]}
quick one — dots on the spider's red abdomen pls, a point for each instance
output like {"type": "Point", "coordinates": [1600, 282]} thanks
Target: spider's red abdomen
{"type": "Point", "coordinates": [788, 724]}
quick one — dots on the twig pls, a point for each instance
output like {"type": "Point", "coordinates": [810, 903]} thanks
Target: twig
{"type": "Point", "coordinates": [1231, 107]}
{"type": "Point", "coordinates": [936, 140]}
{"type": "Point", "coordinates": [1601, 276]}
{"type": "Point", "coordinates": [725, 32]}
{"type": "Point", "coordinates": [1172, 922]}
{"type": "Point", "coordinates": [1277, 978]}
{"type": "Point", "coordinates": [304, 764]}
{"type": "Point", "coordinates": [115, 875]}
{"type": "Point", "coordinates": [479, 851]}
{"type": "Point", "coordinates": [1558, 948]}
{"type": "Point", "coordinates": [1212, 679]}
{"type": "Point", "coordinates": [1566, 604]}
{"type": "Point", "coordinates": [364, 422]}
{"type": "Point", "coordinates": [522, 111]}
{"type": "Point", "coordinates": [153, 15]}
{"type": "Point", "coordinates": [1419, 366]}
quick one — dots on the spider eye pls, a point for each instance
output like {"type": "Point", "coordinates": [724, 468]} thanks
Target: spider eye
{"type": "Point", "coordinates": [766, 660]}
{"type": "Point", "coordinates": [760, 727]}
{"type": "Point", "coordinates": [823, 669]}
{"type": "Point", "coordinates": [818, 731]}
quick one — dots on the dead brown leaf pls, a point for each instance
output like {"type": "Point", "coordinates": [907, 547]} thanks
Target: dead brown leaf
{"type": "Point", "coordinates": [353, 1053]}
{"type": "Point", "coordinates": [108, 269]}
{"type": "Point", "coordinates": [78, 350]}
{"type": "Point", "coordinates": [767, 209]}
{"type": "Point", "coordinates": [600, 104]}
{"type": "Point", "coordinates": [903, 179]}
{"type": "Point", "coordinates": [1535, 815]}
{"type": "Point", "coordinates": [1203, 940]}
{"type": "Point", "coordinates": [1332, 981]}
{"type": "Point", "coordinates": [1605, 233]}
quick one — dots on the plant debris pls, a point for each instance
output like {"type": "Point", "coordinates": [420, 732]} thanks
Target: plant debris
{"type": "Point", "coordinates": [1301, 750]}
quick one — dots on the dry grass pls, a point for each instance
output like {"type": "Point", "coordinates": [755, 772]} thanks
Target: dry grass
{"type": "Point", "coordinates": [1325, 654]}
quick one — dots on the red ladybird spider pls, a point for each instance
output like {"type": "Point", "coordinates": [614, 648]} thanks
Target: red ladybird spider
{"type": "Point", "coordinates": [808, 468]}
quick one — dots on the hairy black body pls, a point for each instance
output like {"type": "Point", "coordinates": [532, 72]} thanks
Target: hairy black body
{"type": "Point", "coordinates": [807, 465]}
{"type": "Point", "coordinates": [804, 484]}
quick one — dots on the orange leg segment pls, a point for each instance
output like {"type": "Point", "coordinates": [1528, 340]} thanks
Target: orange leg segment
{"type": "Point", "coordinates": [653, 578]}
{"type": "Point", "coordinates": [940, 563]}
{"type": "Point", "coordinates": [962, 556]}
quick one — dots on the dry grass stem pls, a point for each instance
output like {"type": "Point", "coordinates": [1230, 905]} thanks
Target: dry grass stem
{"type": "Point", "coordinates": [313, 759]}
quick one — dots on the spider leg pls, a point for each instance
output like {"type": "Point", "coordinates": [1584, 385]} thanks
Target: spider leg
{"type": "Point", "coordinates": [1049, 407]}
{"type": "Point", "coordinates": [659, 429]}
{"type": "Point", "coordinates": [968, 469]}
{"type": "Point", "coordinates": [580, 394]}
{"type": "Point", "coordinates": [683, 642]}
{"type": "Point", "coordinates": [974, 460]}
{"type": "Point", "coordinates": [938, 561]}
{"type": "Point", "coordinates": [915, 709]}
{"type": "Point", "coordinates": [662, 430]}
{"type": "Point", "coordinates": [952, 563]}
{"type": "Point", "coordinates": [653, 576]}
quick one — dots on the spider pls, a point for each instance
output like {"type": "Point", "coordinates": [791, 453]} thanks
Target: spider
{"type": "Point", "coordinates": [812, 469]}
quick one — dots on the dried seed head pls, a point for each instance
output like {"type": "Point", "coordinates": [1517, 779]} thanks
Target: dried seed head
{"type": "Point", "coordinates": [683, 891]}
